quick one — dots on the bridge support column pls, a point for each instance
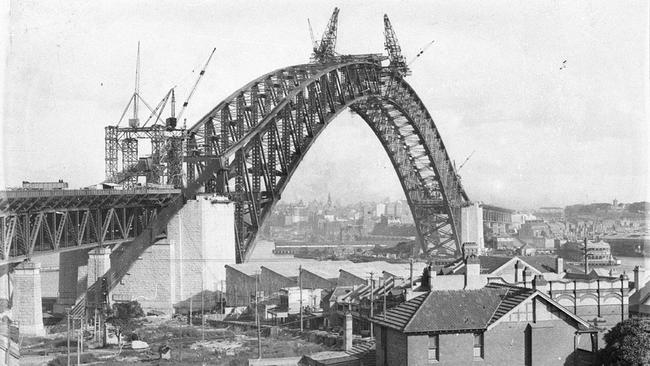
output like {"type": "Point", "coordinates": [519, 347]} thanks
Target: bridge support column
{"type": "Point", "coordinates": [72, 283]}
{"type": "Point", "coordinates": [27, 308]}
{"type": "Point", "coordinates": [99, 262]}
{"type": "Point", "coordinates": [202, 242]}
{"type": "Point", "coordinates": [5, 288]}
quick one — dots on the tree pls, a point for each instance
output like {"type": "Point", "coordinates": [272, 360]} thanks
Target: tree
{"type": "Point", "coordinates": [123, 317]}
{"type": "Point", "coordinates": [628, 343]}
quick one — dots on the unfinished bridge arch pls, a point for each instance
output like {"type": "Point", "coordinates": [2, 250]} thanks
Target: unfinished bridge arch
{"type": "Point", "coordinates": [250, 144]}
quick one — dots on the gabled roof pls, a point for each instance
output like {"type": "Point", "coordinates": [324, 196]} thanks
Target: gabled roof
{"type": "Point", "coordinates": [249, 269]}
{"type": "Point", "coordinates": [363, 292]}
{"type": "Point", "coordinates": [460, 310]}
{"type": "Point", "coordinates": [328, 270]}
{"type": "Point", "coordinates": [362, 351]}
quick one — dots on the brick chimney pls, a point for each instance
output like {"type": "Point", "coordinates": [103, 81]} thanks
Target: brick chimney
{"type": "Point", "coordinates": [428, 274]}
{"type": "Point", "coordinates": [517, 271]}
{"type": "Point", "coordinates": [473, 273]}
{"type": "Point", "coordinates": [640, 281]}
{"type": "Point", "coordinates": [540, 283]}
{"type": "Point", "coordinates": [559, 265]}
{"type": "Point", "coordinates": [526, 276]}
{"type": "Point", "coordinates": [347, 335]}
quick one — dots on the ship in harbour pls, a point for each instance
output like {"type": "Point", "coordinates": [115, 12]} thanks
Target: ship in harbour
{"type": "Point", "coordinates": [629, 245]}
{"type": "Point", "coordinates": [598, 252]}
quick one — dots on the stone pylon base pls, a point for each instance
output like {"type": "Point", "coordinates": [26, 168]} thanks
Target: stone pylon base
{"type": "Point", "coordinates": [27, 307]}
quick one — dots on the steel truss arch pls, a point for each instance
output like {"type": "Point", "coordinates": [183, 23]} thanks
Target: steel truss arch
{"type": "Point", "coordinates": [250, 144]}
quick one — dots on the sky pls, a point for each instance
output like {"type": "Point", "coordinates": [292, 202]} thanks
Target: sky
{"type": "Point", "coordinates": [540, 131]}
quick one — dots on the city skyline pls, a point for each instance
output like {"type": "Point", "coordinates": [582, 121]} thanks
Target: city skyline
{"type": "Point", "coordinates": [542, 131]}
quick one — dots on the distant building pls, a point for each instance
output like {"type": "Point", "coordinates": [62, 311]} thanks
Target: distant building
{"type": "Point", "coordinates": [519, 219]}
{"type": "Point", "coordinates": [537, 234]}
{"type": "Point", "coordinates": [44, 186]}
{"type": "Point", "coordinates": [472, 225]}
{"type": "Point", "coordinates": [550, 213]}
{"type": "Point", "coordinates": [380, 209]}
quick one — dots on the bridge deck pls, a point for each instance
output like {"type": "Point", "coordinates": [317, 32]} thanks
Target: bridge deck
{"type": "Point", "coordinates": [29, 201]}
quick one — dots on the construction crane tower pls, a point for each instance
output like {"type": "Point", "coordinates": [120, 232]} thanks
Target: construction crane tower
{"type": "Point", "coordinates": [397, 62]}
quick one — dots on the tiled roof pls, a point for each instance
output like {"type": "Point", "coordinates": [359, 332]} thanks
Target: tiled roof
{"type": "Point", "coordinates": [458, 310]}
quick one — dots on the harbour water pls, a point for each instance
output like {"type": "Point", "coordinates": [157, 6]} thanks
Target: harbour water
{"type": "Point", "coordinates": [628, 264]}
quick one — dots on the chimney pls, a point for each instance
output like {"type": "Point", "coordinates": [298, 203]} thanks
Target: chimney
{"type": "Point", "coordinates": [516, 271]}
{"type": "Point", "coordinates": [411, 269]}
{"type": "Point", "coordinates": [473, 273]}
{"type": "Point", "coordinates": [525, 275]}
{"type": "Point", "coordinates": [539, 283]}
{"type": "Point", "coordinates": [425, 283]}
{"type": "Point", "coordinates": [347, 336]}
{"type": "Point", "coordinates": [559, 265]}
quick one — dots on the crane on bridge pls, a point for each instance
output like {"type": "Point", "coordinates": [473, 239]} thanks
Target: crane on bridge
{"type": "Point", "coordinates": [397, 63]}
{"type": "Point", "coordinates": [324, 51]}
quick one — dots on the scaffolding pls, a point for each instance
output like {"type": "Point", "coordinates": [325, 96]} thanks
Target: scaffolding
{"type": "Point", "coordinates": [130, 160]}
{"type": "Point", "coordinates": [110, 152]}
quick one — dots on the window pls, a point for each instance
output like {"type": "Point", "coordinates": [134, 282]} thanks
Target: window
{"type": "Point", "coordinates": [433, 348]}
{"type": "Point", "coordinates": [478, 345]}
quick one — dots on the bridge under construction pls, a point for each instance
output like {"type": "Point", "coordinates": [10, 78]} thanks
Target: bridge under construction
{"type": "Point", "coordinates": [246, 150]}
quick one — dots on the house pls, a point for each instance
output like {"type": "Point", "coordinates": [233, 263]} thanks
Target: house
{"type": "Point", "coordinates": [498, 324]}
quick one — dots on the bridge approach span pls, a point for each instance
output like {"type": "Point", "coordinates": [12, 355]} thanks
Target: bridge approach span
{"type": "Point", "coordinates": [34, 223]}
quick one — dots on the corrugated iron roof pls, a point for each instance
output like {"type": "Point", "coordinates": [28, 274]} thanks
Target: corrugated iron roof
{"type": "Point", "coordinates": [361, 351]}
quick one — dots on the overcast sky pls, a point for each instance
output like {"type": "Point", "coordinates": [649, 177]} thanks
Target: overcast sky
{"type": "Point", "coordinates": [493, 82]}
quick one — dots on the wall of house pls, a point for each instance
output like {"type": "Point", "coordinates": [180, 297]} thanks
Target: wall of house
{"type": "Point", "coordinates": [396, 353]}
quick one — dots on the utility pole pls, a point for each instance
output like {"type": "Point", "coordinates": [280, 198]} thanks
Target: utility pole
{"type": "Point", "coordinates": [202, 307]}
{"type": "Point", "coordinates": [372, 300]}
{"type": "Point", "coordinates": [411, 270]}
{"type": "Point", "coordinates": [300, 289]}
{"type": "Point", "coordinates": [257, 322]}
{"type": "Point", "coordinates": [68, 323]}
{"type": "Point", "coordinates": [585, 255]}
{"type": "Point", "coordinates": [79, 336]}
{"type": "Point", "coordinates": [385, 282]}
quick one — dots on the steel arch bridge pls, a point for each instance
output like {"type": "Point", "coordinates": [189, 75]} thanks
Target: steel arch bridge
{"type": "Point", "coordinates": [250, 144]}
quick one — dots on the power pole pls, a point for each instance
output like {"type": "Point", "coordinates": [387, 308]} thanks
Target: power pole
{"type": "Point", "coordinates": [372, 300]}
{"type": "Point", "coordinates": [385, 295]}
{"type": "Point", "coordinates": [585, 255]}
{"type": "Point", "coordinates": [68, 323]}
{"type": "Point", "coordinates": [257, 322]}
{"type": "Point", "coordinates": [300, 288]}
{"type": "Point", "coordinates": [411, 272]}
{"type": "Point", "coordinates": [202, 307]}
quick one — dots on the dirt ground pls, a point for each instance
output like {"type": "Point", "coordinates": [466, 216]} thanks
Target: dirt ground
{"type": "Point", "coordinates": [190, 345]}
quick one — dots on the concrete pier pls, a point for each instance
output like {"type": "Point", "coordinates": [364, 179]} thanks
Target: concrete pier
{"type": "Point", "coordinates": [27, 308]}
{"type": "Point", "coordinates": [200, 242]}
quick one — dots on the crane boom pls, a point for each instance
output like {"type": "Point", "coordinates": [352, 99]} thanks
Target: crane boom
{"type": "Point", "coordinates": [325, 50]}
{"type": "Point", "coordinates": [391, 45]}
{"type": "Point", "coordinates": [314, 44]}
{"type": "Point", "coordinates": [466, 160]}
{"type": "Point", "coordinates": [180, 114]}
{"type": "Point", "coordinates": [420, 53]}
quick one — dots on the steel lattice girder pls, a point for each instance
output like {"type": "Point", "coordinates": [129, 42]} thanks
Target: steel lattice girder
{"type": "Point", "coordinates": [40, 222]}
{"type": "Point", "coordinates": [251, 143]}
